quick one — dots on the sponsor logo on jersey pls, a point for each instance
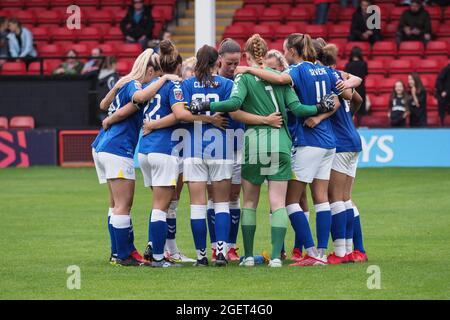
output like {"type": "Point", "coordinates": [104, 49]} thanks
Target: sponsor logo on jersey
{"type": "Point", "coordinates": [137, 85]}
{"type": "Point", "coordinates": [178, 93]}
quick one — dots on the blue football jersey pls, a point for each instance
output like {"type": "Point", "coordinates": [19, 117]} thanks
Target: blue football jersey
{"type": "Point", "coordinates": [97, 139]}
{"type": "Point", "coordinates": [122, 137]}
{"type": "Point", "coordinates": [193, 89]}
{"type": "Point", "coordinates": [311, 83]}
{"type": "Point", "coordinates": [235, 125]}
{"type": "Point", "coordinates": [347, 137]}
{"type": "Point", "coordinates": [160, 140]}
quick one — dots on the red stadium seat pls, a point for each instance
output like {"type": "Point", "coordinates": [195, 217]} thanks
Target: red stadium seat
{"type": "Point", "coordinates": [25, 16]}
{"type": "Point", "coordinates": [433, 121]}
{"type": "Point", "coordinates": [35, 68]}
{"type": "Point", "coordinates": [272, 15]}
{"type": "Point", "coordinates": [339, 31]}
{"type": "Point", "coordinates": [400, 66]}
{"type": "Point", "coordinates": [437, 47]}
{"type": "Point", "coordinates": [387, 84]}
{"type": "Point", "coordinates": [131, 50]}
{"type": "Point", "coordinates": [48, 17]}
{"type": "Point", "coordinates": [316, 31]}
{"type": "Point", "coordinates": [37, 3]}
{"type": "Point", "coordinates": [282, 31]}
{"type": "Point", "coordinates": [447, 13]}
{"type": "Point", "coordinates": [285, 8]}
{"type": "Point", "coordinates": [379, 103]}
{"type": "Point", "coordinates": [108, 49]}
{"type": "Point", "coordinates": [40, 34]}
{"type": "Point", "coordinates": [384, 48]}
{"type": "Point", "coordinates": [429, 81]}
{"type": "Point", "coordinates": [3, 123]}
{"type": "Point", "coordinates": [389, 30]}
{"type": "Point", "coordinates": [115, 3]}
{"type": "Point", "coordinates": [272, 2]}
{"type": "Point", "coordinates": [99, 16]}
{"type": "Point", "coordinates": [396, 13]}
{"type": "Point", "coordinates": [340, 44]}
{"type": "Point", "coordinates": [113, 33]}
{"type": "Point", "coordinates": [21, 122]}
{"type": "Point", "coordinates": [60, 3]}
{"type": "Point", "coordinates": [277, 45]}
{"type": "Point", "coordinates": [50, 50]}
{"type": "Point", "coordinates": [432, 103]}
{"type": "Point", "coordinates": [62, 34]}
{"type": "Point", "coordinates": [365, 47]}
{"type": "Point", "coordinates": [259, 8]}
{"type": "Point", "coordinates": [123, 67]}
{"type": "Point", "coordinates": [435, 12]}
{"type": "Point", "coordinates": [374, 121]}
{"type": "Point", "coordinates": [13, 68]}
{"type": "Point", "coordinates": [11, 3]}
{"type": "Point", "coordinates": [90, 33]}
{"type": "Point", "coordinates": [428, 66]}
{"type": "Point", "coordinates": [158, 14]}
{"type": "Point", "coordinates": [373, 82]}
{"type": "Point", "coordinates": [443, 30]}
{"type": "Point", "coordinates": [264, 2]}
{"type": "Point", "coordinates": [343, 15]}
{"type": "Point", "coordinates": [265, 30]}
{"type": "Point", "coordinates": [447, 121]}
{"type": "Point", "coordinates": [376, 67]}
{"type": "Point", "coordinates": [237, 31]}
{"type": "Point", "coordinates": [411, 48]}
{"type": "Point", "coordinates": [245, 15]}
{"type": "Point", "coordinates": [82, 49]}
{"type": "Point", "coordinates": [299, 14]}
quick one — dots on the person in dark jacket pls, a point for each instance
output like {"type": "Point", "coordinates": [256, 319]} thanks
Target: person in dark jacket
{"type": "Point", "coordinates": [418, 105]}
{"type": "Point", "coordinates": [4, 44]}
{"type": "Point", "coordinates": [443, 92]}
{"type": "Point", "coordinates": [358, 29]}
{"type": "Point", "coordinates": [137, 25]}
{"type": "Point", "coordinates": [358, 67]}
{"type": "Point", "coordinates": [415, 24]}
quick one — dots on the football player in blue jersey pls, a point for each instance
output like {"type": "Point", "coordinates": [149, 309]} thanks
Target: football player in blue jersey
{"type": "Point", "coordinates": [343, 171]}
{"type": "Point", "coordinates": [115, 150]}
{"type": "Point", "coordinates": [314, 144]}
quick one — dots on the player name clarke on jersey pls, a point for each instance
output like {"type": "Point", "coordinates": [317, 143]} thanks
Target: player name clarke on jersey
{"type": "Point", "coordinates": [198, 84]}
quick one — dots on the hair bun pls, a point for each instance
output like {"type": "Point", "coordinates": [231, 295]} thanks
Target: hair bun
{"type": "Point", "coordinates": [166, 47]}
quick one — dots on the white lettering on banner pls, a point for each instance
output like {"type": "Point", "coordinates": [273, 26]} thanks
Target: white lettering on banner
{"type": "Point", "coordinates": [386, 149]}
{"type": "Point", "coordinates": [380, 142]}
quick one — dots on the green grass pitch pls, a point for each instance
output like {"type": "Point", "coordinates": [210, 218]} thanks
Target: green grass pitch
{"type": "Point", "coordinates": [52, 218]}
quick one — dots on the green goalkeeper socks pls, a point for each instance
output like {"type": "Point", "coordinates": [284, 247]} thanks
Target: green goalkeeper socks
{"type": "Point", "coordinates": [278, 229]}
{"type": "Point", "coordinates": [248, 225]}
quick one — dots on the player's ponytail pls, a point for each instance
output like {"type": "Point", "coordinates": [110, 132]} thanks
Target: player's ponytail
{"type": "Point", "coordinates": [302, 44]}
{"type": "Point", "coordinates": [169, 57]}
{"type": "Point", "coordinates": [206, 60]}
{"type": "Point", "coordinates": [328, 55]}
{"type": "Point", "coordinates": [257, 48]}
{"type": "Point", "coordinates": [146, 59]}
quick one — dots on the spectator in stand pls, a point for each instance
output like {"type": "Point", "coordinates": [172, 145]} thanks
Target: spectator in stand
{"type": "Point", "coordinates": [137, 25]}
{"type": "Point", "coordinates": [154, 43]}
{"type": "Point", "coordinates": [418, 102]}
{"type": "Point", "coordinates": [443, 92]}
{"type": "Point", "coordinates": [399, 105]}
{"type": "Point", "coordinates": [358, 29]}
{"type": "Point", "coordinates": [358, 67]}
{"type": "Point", "coordinates": [276, 60]}
{"type": "Point", "coordinates": [71, 66]}
{"type": "Point", "coordinates": [4, 46]}
{"type": "Point", "coordinates": [20, 41]}
{"type": "Point", "coordinates": [107, 78]}
{"type": "Point", "coordinates": [415, 24]}
{"type": "Point", "coordinates": [93, 65]}
{"type": "Point", "coordinates": [188, 68]}
{"type": "Point", "coordinates": [322, 7]}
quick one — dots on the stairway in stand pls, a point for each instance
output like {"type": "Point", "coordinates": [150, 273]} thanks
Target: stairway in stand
{"type": "Point", "coordinates": [183, 35]}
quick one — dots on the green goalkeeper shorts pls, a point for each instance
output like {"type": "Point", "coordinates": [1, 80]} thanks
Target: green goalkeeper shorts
{"type": "Point", "coordinates": [257, 168]}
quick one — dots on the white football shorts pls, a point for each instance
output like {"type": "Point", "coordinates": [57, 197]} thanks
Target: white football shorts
{"type": "Point", "coordinates": [111, 166]}
{"type": "Point", "coordinates": [204, 170]}
{"type": "Point", "coordinates": [159, 169]}
{"type": "Point", "coordinates": [309, 163]}
{"type": "Point", "coordinates": [346, 163]}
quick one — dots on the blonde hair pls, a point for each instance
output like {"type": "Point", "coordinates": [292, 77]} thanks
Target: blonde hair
{"type": "Point", "coordinates": [146, 59]}
{"type": "Point", "coordinates": [188, 64]}
{"type": "Point", "coordinates": [279, 56]}
{"type": "Point", "coordinates": [257, 48]}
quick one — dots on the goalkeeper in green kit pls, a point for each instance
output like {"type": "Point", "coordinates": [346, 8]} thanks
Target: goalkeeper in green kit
{"type": "Point", "coordinates": [267, 150]}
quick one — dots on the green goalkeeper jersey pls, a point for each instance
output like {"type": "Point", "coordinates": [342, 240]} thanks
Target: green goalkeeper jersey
{"type": "Point", "coordinates": [259, 97]}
